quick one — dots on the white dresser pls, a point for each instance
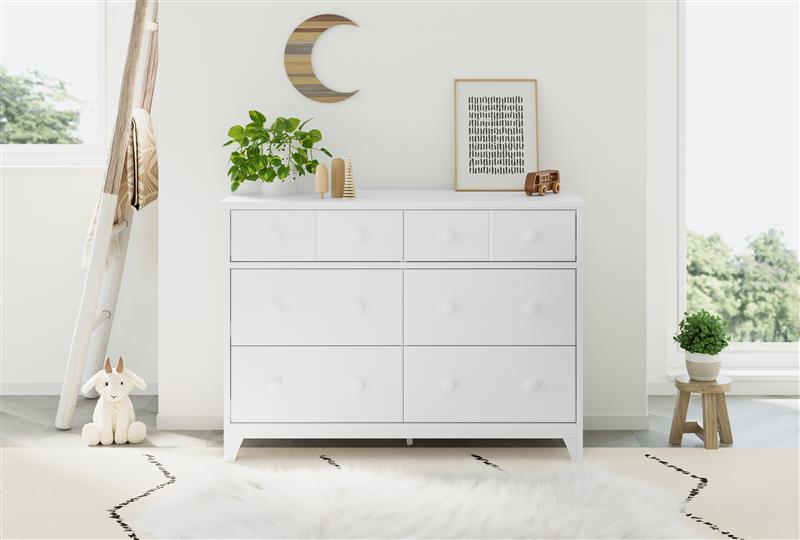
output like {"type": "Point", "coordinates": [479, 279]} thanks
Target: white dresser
{"type": "Point", "coordinates": [403, 314]}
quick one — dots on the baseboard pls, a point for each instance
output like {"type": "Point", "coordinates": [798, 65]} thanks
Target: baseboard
{"type": "Point", "coordinates": [53, 388]}
{"type": "Point", "coordinates": [591, 421]}
{"type": "Point", "coordinates": [188, 421]}
{"type": "Point", "coordinates": [615, 421]}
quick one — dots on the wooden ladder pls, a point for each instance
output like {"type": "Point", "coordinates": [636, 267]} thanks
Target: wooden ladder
{"type": "Point", "coordinates": [102, 282]}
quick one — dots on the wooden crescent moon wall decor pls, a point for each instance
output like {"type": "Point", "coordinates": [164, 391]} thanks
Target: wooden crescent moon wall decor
{"type": "Point", "coordinates": [297, 58]}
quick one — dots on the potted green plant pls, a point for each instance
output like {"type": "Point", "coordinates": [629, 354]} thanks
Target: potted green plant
{"type": "Point", "coordinates": [703, 336]}
{"type": "Point", "coordinates": [273, 155]}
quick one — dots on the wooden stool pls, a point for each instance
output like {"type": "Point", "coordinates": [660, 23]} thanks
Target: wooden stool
{"type": "Point", "coordinates": [715, 411]}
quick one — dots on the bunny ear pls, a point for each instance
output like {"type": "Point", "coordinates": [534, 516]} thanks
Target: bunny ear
{"type": "Point", "coordinates": [137, 381]}
{"type": "Point", "coordinates": [107, 365]}
{"type": "Point", "coordinates": [88, 385]}
{"type": "Point", "coordinates": [120, 365]}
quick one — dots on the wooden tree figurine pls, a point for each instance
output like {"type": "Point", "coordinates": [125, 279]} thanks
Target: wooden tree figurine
{"type": "Point", "coordinates": [349, 182]}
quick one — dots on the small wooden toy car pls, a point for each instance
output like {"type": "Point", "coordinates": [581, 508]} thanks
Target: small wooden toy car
{"type": "Point", "coordinates": [540, 181]}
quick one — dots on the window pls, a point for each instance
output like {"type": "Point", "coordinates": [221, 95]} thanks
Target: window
{"type": "Point", "coordinates": [741, 167]}
{"type": "Point", "coordinates": [52, 68]}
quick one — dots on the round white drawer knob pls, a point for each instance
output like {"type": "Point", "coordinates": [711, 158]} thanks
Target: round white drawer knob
{"type": "Point", "coordinates": [530, 308]}
{"type": "Point", "coordinates": [358, 385]}
{"type": "Point", "coordinates": [447, 308]}
{"type": "Point", "coordinates": [530, 236]}
{"type": "Point", "coordinates": [275, 235]}
{"type": "Point", "coordinates": [530, 386]}
{"type": "Point", "coordinates": [359, 235]}
{"type": "Point", "coordinates": [274, 384]}
{"type": "Point", "coordinates": [447, 235]}
{"type": "Point", "coordinates": [358, 307]}
{"type": "Point", "coordinates": [448, 385]}
{"type": "Point", "coordinates": [275, 305]}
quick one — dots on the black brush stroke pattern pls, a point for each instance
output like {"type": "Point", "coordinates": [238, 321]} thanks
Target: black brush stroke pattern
{"type": "Point", "coordinates": [488, 463]}
{"type": "Point", "coordinates": [114, 514]}
{"type": "Point", "coordinates": [701, 484]}
{"type": "Point", "coordinates": [329, 461]}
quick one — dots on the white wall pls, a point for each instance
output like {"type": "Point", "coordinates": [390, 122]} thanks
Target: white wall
{"type": "Point", "coordinates": [220, 59]}
{"type": "Point", "coordinates": [45, 214]}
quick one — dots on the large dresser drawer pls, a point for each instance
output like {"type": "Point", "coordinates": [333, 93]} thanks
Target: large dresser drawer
{"type": "Point", "coordinates": [490, 307]}
{"type": "Point", "coordinates": [542, 235]}
{"type": "Point", "coordinates": [273, 235]}
{"type": "Point", "coordinates": [316, 307]}
{"type": "Point", "coordinates": [447, 235]}
{"type": "Point", "coordinates": [489, 384]}
{"type": "Point", "coordinates": [360, 235]}
{"type": "Point", "coordinates": [316, 384]}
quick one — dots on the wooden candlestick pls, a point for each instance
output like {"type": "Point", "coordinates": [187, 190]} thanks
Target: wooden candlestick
{"type": "Point", "coordinates": [337, 178]}
{"type": "Point", "coordinates": [321, 180]}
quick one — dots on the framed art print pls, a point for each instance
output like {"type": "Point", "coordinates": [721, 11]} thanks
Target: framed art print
{"type": "Point", "coordinates": [496, 133]}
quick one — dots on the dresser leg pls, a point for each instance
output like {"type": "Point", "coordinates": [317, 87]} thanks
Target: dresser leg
{"type": "Point", "coordinates": [409, 442]}
{"type": "Point", "coordinates": [230, 447]}
{"type": "Point", "coordinates": [574, 448]}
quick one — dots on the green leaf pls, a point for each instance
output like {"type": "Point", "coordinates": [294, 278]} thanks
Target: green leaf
{"type": "Point", "coordinates": [236, 132]}
{"type": "Point", "coordinates": [229, 143]}
{"type": "Point", "coordinates": [283, 172]}
{"type": "Point", "coordinates": [257, 117]}
{"type": "Point", "coordinates": [315, 135]}
{"type": "Point", "coordinates": [307, 143]}
{"type": "Point", "coordinates": [293, 124]}
{"type": "Point", "coordinates": [325, 151]}
{"type": "Point", "coordinates": [304, 123]}
{"type": "Point", "coordinates": [234, 186]}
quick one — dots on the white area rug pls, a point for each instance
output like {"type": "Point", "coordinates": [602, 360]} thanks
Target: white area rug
{"type": "Point", "coordinates": [398, 492]}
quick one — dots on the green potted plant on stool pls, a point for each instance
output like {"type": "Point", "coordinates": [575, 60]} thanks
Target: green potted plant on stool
{"type": "Point", "coordinates": [703, 336]}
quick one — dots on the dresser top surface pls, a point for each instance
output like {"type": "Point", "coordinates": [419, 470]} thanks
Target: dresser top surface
{"type": "Point", "coordinates": [409, 199]}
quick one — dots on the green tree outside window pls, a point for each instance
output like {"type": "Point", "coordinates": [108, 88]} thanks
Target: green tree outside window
{"type": "Point", "coordinates": [37, 109]}
{"type": "Point", "coordinates": [757, 290]}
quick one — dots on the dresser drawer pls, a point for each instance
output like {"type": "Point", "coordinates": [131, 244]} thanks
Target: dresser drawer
{"type": "Point", "coordinates": [316, 384]}
{"type": "Point", "coordinates": [316, 307]}
{"type": "Point", "coordinates": [272, 235]}
{"type": "Point", "coordinates": [489, 384]}
{"type": "Point", "coordinates": [359, 235]}
{"type": "Point", "coordinates": [446, 235]}
{"type": "Point", "coordinates": [540, 235]}
{"type": "Point", "coordinates": [490, 307]}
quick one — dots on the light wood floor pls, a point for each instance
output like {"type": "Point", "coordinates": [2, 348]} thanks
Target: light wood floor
{"type": "Point", "coordinates": [758, 422]}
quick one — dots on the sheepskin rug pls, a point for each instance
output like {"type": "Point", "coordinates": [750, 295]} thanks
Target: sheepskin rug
{"type": "Point", "coordinates": [569, 502]}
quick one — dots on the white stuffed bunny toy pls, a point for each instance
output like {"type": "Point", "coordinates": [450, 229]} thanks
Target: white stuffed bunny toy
{"type": "Point", "coordinates": [114, 420]}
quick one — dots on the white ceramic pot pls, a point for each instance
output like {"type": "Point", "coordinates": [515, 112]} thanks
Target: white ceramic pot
{"type": "Point", "coordinates": [702, 367]}
{"type": "Point", "coordinates": [276, 188]}
{"type": "Point", "coordinates": [249, 188]}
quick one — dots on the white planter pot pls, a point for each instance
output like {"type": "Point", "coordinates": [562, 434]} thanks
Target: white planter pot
{"type": "Point", "coordinates": [249, 188]}
{"type": "Point", "coordinates": [279, 189]}
{"type": "Point", "coordinates": [702, 367]}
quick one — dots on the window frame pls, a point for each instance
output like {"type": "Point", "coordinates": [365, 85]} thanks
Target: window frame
{"type": "Point", "coordinates": [71, 155]}
{"type": "Point", "coordinates": [746, 356]}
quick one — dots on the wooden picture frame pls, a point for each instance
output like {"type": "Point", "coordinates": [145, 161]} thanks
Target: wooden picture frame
{"type": "Point", "coordinates": [488, 156]}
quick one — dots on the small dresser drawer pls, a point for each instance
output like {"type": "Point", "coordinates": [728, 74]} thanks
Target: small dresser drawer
{"type": "Point", "coordinates": [273, 235]}
{"type": "Point", "coordinates": [359, 235]}
{"type": "Point", "coordinates": [490, 307]}
{"type": "Point", "coordinates": [316, 307]}
{"type": "Point", "coordinates": [316, 384]}
{"type": "Point", "coordinates": [447, 235]}
{"type": "Point", "coordinates": [489, 384]}
{"type": "Point", "coordinates": [536, 235]}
